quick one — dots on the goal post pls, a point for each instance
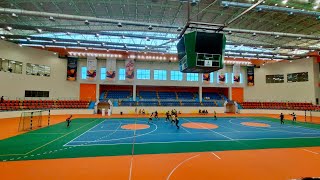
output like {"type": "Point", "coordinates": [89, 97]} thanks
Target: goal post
{"type": "Point", "coordinates": [30, 120]}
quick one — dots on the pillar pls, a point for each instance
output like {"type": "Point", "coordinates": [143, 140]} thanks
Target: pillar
{"type": "Point", "coordinates": [200, 94]}
{"type": "Point", "coordinates": [134, 92]}
{"type": "Point", "coordinates": [230, 93]}
{"type": "Point", "coordinates": [97, 92]}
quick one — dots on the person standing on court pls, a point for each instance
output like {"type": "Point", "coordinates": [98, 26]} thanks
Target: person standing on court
{"type": "Point", "coordinates": [2, 99]}
{"type": "Point", "coordinates": [215, 115]}
{"type": "Point", "coordinates": [68, 120]}
{"type": "Point", "coordinates": [281, 118]}
{"type": "Point", "coordinates": [294, 117]}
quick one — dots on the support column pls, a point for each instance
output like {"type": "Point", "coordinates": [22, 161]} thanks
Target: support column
{"type": "Point", "coordinates": [97, 92]}
{"type": "Point", "coordinates": [200, 94]}
{"type": "Point", "coordinates": [230, 93]}
{"type": "Point", "coordinates": [134, 92]}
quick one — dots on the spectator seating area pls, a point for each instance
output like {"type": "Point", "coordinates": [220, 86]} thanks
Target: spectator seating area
{"type": "Point", "coordinates": [117, 94]}
{"type": "Point", "coordinates": [279, 105]}
{"type": "Point", "coordinates": [210, 96]}
{"type": "Point", "coordinates": [148, 95]}
{"type": "Point", "coordinates": [15, 105]}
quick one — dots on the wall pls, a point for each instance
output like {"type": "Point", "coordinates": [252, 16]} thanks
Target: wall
{"type": "Point", "coordinates": [285, 112]}
{"type": "Point", "coordinates": [88, 92]}
{"type": "Point", "coordinates": [11, 114]}
{"type": "Point", "coordinates": [14, 85]}
{"type": "Point", "coordinates": [155, 66]}
{"type": "Point", "coordinates": [297, 92]}
{"type": "Point", "coordinates": [163, 109]}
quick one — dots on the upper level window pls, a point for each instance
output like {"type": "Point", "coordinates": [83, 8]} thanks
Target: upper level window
{"type": "Point", "coordinates": [160, 75]}
{"type": "Point", "coordinates": [143, 74]}
{"type": "Point", "coordinates": [176, 76]}
{"type": "Point", "coordinates": [192, 76]}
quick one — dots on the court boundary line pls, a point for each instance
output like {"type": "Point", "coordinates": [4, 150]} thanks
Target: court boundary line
{"type": "Point", "coordinates": [310, 151]}
{"type": "Point", "coordinates": [215, 155]}
{"type": "Point", "coordinates": [200, 141]}
{"type": "Point", "coordinates": [116, 139]}
{"type": "Point", "coordinates": [86, 131]}
{"type": "Point", "coordinates": [186, 160]}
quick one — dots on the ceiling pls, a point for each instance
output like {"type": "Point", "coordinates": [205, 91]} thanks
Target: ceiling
{"type": "Point", "coordinates": [154, 25]}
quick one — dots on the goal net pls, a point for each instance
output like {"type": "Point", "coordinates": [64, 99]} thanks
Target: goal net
{"type": "Point", "coordinates": [30, 120]}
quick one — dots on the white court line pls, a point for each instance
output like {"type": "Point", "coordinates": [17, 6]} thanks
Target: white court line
{"type": "Point", "coordinates": [196, 141]}
{"type": "Point", "coordinates": [185, 130]}
{"type": "Point", "coordinates": [267, 129]}
{"type": "Point", "coordinates": [212, 130]}
{"type": "Point", "coordinates": [116, 139]}
{"type": "Point", "coordinates": [181, 164]}
{"type": "Point", "coordinates": [215, 155]}
{"type": "Point", "coordinates": [130, 173]}
{"type": "Point", "coordinates": [310, 151]}
{"type": "Point", "coordinates": [85, 132]}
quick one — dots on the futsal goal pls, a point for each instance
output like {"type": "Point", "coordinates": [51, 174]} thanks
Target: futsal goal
{"type": "Point", "coordinates": [30, 120]}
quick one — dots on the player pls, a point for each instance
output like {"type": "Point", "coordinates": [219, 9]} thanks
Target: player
{"type": "Point", "coordinates": [167, 116]}
{"type": "Point", "coordinates": [68, 120]}
{"type": "Point", "coordinates": [156, 115]}
{"type": "Point", "coordinates": [294, 117]}
{"type": "Point", "coordinates": [281, 118]}
{"type": "Point", "coordinates": [150, 118]}
{"type": "Point", "coordinates": [215, 115]}
{"type": "Point", "coordinates": [176, 121]}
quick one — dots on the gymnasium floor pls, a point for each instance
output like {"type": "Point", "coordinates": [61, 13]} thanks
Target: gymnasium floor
{"type": "Point", "coordinates": [203, 148]}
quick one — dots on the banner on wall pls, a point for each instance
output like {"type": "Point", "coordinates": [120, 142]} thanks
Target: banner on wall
{"type": "Point", "coordinates": [236, 74]}
{"type": "Point", "coordinates": [206, 78]}
{"type": "Point", "coordinates": [250, 76]}
{"type": "Point", "coordinates": [91, 68]}
{"type": "Point", "coordinates": [72, 69]}
{"type": "Point", "coordinates": [111, 69]}
{"type": "Point", "coordinates": [222, 75]}
{"type": "Point", "coordinates": [129, 70]}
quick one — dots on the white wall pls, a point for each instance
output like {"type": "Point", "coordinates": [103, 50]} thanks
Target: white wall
{"type": "Point", "coordinates": [14, 85]}
{"type": "Point", "coordinates": [285, 112]}
{"type": "Point", "coordinates": [163, 109]}
{"type": "Point", "coordinates": [156, 66]}
{"type": "Point", "coordinates": [12, 114]}
{"type": "Point", "coordinates": [297, 91]}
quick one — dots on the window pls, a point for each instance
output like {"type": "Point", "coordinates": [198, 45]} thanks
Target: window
{"type": "Point", "coordinates": [122, 74]}
{"type": "Point", "coordinates": [143, 74]}
{"type": "Point", "coordinates": [192, 76]}
{"type": "Point", "coordinates": [211, 77]}
{"type": "Point", "coordinates": [103, 73]}
{"type": "Point", "coordinates": [10, 66]}
{"type": "Point", "coordinates": [297, 77]}
{"type": "Point", "coordinates": [160, 75]}
{"type": "Point", "coordinates": [38, 70]}
{"type": "Point", "coordinates": [36, 93]}
{"type": "Point", "coordinates": [83, 72]}
{"type": "Point", "coordinates": [278, 78]}
{"type": "Point", "coordinates": [176, 76]}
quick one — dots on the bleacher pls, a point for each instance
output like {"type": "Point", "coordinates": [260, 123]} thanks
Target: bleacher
{"type": "Point", "coordinates": [167, 95]}
{"type": "Point", "coordinates": [148, 95]}
{"type": "Point", "coordinates": [16, 105]}
{"type": "Point", "coordinates": [155, 98]}
{"type": "Point", "coordinates": [279, 105]}
{"type": "Point", "coordinates": [118, 94]}
{"type": "Point", "coordinates": [185, 95]}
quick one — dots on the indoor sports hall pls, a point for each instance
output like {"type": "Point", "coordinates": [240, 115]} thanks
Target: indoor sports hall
{"type": "Point", "coordinates": [160, 89]}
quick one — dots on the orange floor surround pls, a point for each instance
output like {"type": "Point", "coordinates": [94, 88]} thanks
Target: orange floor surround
{"type": "Point", "coordinates": [264, 164]}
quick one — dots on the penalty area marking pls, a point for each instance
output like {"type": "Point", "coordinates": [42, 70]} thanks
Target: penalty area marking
{"type": "Point", "coordinates": [180, 165]}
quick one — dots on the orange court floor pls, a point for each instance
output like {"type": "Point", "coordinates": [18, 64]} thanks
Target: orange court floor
{"type": "Point", "coordinates": [269, 164]}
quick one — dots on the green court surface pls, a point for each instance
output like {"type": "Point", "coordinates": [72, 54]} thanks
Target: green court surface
{"type": "Point", "coordinates": [58, 141]}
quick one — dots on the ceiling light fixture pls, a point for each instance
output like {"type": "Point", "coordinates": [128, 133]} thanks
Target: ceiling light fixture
{"type": "Point", "coordinates": [97, 35]}
{"type": "Point", "coordinates": [119, 24]}
{"type": "Point", "coordinates": [86, 22]}
{"type": "Point", "coordinates": [39, 30]}
{"type": "Point", "coordinates": [14, 15]}
{"type": "Point", "coordinates": [51, 18]}
{"type": "Point", "coordinates": [179, 29]}
{"type": "Point", "coordinates": [8, 28]}
{"type": "Point", "coordinates": [150, 27]}
{"type": "Point", "coordinates": [2, 37]}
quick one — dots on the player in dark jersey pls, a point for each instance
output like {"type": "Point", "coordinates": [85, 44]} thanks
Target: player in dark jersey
{"type": "Point", "coordinates": [167, 116]}
{"type": "Point", "coordinates": [156, 115]}
{"type": "Point", "coordinates": [150, 118]}
{"type": "Point", "coordinates": [68, 120]}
